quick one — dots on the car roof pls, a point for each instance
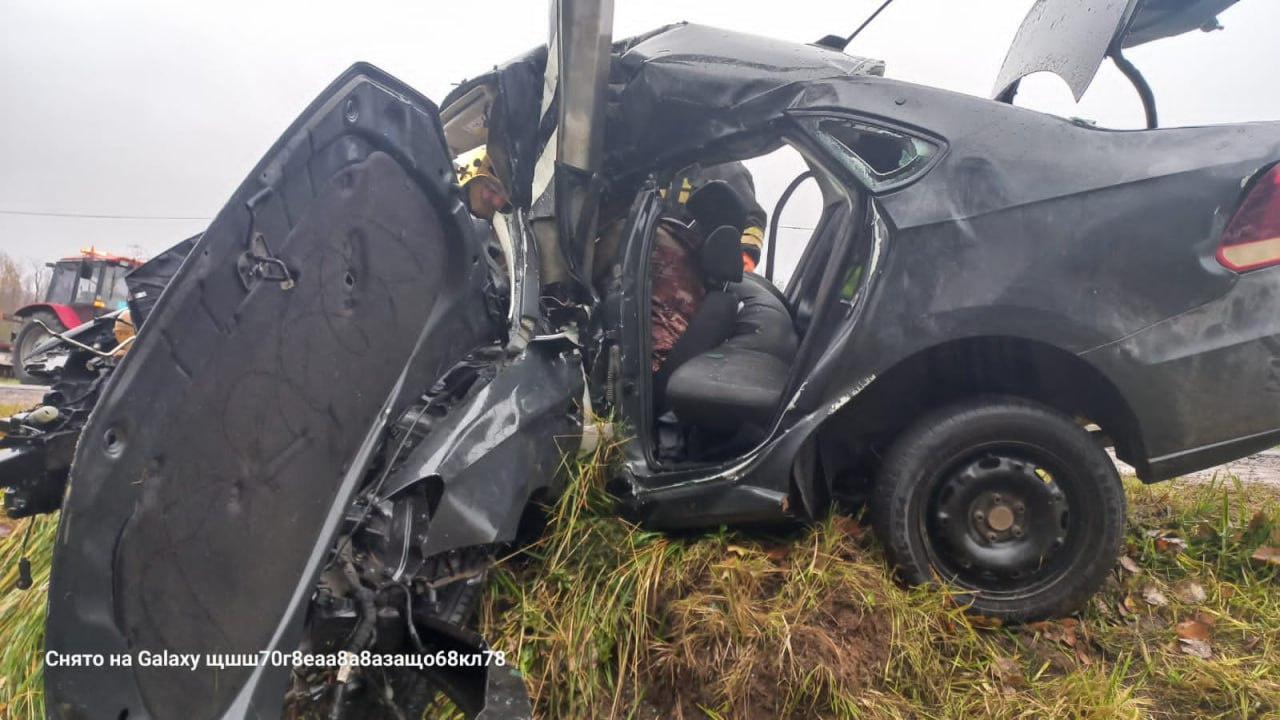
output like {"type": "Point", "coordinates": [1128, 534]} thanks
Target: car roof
{"type": "Point", "coordinates": [671, 90]}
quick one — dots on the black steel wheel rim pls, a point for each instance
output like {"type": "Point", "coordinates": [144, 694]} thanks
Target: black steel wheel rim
{"type": "Point", "coordinates": [1002, 519]}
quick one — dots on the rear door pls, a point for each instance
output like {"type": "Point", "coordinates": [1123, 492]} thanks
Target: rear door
{"type": "Point", "coordinates": [339, 282]}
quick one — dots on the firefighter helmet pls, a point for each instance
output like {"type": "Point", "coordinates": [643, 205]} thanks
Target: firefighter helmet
{"type": "Point", "coordinates": [475, 163]}
{"type": "Point", "coordinates": [484, 191]}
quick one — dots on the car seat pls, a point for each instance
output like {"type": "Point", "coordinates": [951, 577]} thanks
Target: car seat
{"type": "Point", "coordinates": [726, 373]}
{"type": "Point", "coordinates": [735, 385]}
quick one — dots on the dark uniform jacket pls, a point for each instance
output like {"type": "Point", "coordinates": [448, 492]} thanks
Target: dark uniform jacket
{"type": "Point", "coordinates": [733, 173]}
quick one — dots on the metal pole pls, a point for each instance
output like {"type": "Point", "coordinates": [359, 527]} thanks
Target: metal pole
{"type": "Point", "coordinates": [566, 179]}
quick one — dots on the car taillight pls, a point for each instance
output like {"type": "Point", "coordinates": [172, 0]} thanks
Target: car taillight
{"type": "Point", "coordinates": [1252, 238]}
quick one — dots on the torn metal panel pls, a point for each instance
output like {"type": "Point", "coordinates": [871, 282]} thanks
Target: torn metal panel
{"type": "Point", "coordinates": [663, 103]}
{"type": "Point", "coordinates": [147, 281]}
{"type": "Point", "coordinates": [507, 99]}
{"type": "Point", "coordinates": [498, 446]}
{"type": "Point", "coordinates": [690, 86]}
{"type": "Point", "coordinates": [1057, 37]}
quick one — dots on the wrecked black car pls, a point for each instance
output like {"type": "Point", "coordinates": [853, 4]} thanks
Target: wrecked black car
{"type": "Point", "coordinates": [350, 394]}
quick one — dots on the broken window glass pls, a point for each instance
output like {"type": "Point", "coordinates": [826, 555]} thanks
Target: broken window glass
{"type": "Point", "coordinates": [880, 158]}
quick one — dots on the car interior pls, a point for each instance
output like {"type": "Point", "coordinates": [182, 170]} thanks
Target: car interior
{"type": "Point", "coordinates": [722, 385]}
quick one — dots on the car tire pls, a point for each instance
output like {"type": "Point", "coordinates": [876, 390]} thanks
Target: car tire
{"type": "Point", "coordinates": [1008, 502]}
{"type": "Point", "coordinates": [29, 336]}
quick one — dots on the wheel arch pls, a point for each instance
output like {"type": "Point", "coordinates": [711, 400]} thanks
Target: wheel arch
{"type": "Point", "coordinates": [64, 313]}
{"type": "Point", "coordinates": [850, 441]}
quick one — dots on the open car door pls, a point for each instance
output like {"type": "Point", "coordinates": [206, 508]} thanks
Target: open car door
{"type": "Point", "coordinates": [340, 281]}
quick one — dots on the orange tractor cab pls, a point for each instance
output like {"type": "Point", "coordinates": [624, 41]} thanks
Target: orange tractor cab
{"type": "Point", "coordinates": [81, 288]}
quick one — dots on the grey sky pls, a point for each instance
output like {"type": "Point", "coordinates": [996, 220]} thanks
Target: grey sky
{"type": "Point", "coordinates": [149, 108]}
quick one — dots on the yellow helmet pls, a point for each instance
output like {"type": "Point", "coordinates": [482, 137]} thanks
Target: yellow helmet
{"type": "Point", "coordinates": [475, 163]}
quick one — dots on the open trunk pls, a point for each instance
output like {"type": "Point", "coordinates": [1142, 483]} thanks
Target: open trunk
{"type": "Point", "coordinates": [1070, 38]}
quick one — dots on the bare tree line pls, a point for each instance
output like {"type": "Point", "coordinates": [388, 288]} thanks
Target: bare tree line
{"type": "Point", "coordinates": [20, 285]}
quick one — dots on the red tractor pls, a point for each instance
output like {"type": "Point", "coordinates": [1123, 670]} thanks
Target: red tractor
{"type": "Point", "coordinates": [80, 288]}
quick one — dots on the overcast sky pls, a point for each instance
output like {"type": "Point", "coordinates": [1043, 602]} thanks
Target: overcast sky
{"type": "Point", "coordinates": [157, 110]}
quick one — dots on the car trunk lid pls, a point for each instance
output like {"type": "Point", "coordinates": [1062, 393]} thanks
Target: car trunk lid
{"type": "Point", "coordinates": [1070, 38]}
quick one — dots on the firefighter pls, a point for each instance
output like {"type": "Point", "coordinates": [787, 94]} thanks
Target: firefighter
{"type": "Point", "coordinates": [486, 196]}
{"type": "Point", "coordinates": [738, 178]}
{"type": "Point", "coordinates": [676, 281]}
{"type": "Point", "coordinates": [482, 190]}
{"type": "Point", "coordinates": [677, 284]}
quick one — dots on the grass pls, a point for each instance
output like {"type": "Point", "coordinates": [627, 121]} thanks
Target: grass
{"type": "Point", "coordinates": [609, 621]}
{"type": "Point", "coordinates": [22, 618]}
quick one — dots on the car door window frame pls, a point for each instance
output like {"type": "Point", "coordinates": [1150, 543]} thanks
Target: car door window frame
{"type": "Point", "coordinates": [858, 168]}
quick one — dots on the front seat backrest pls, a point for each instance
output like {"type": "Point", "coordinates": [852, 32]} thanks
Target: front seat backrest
{"type": "Point", "coordinates": [716, 203]}
{"type": "Point", "coordinates": [721, 257]}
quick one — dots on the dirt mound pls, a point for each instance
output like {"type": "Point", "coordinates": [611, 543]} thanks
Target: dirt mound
{"type": "Point", "coordinates": [773, 632]}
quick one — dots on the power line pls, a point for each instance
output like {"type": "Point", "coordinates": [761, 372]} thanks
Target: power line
{"type": "Point", "coordinates": [97, 216]}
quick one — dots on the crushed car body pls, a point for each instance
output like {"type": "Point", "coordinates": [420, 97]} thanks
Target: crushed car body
{"type": "Point", "coordinates": [351, 393]}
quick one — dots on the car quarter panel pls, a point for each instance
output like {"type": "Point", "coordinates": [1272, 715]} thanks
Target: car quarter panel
{"type": "Point", "coordinates": [1100, 243]}
{"type": "Point", "coordinates": [1208, 380]}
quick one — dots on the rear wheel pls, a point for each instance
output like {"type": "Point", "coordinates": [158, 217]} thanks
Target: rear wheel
{"type": "Point", "coordinates": [1006, 500]}
{"type": "Point", "coordinates": [30, 336]}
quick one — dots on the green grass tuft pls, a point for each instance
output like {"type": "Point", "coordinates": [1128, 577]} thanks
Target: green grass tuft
{"type": "Point", "coordinates": [22, 618]}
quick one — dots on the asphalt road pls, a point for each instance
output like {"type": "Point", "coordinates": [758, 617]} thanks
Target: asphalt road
{"type": "Point", "coordinates": [1261, 468]}
{"type": "Point", "coordinates": [21, 394]}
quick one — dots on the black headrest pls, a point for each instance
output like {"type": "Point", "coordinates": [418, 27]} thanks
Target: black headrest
{"type": "Point", "coordinates": [722, 255]}
{"type": "Point", "coordinates": [716, 203]}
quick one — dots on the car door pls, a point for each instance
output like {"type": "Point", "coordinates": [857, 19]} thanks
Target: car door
{"type": "Point", "coordinates": [620, 378]}
{"type": "Point", "coordinates": [340, 281]}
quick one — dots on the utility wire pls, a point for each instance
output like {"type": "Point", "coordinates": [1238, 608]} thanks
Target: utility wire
{"type": "Point", "coordinates": [96, 216]}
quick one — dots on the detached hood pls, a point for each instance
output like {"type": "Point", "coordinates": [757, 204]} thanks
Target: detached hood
{"type": "Point", "coordinates": [340, 279]}
{"type": "Point", "coordinates": [1069, 38]}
